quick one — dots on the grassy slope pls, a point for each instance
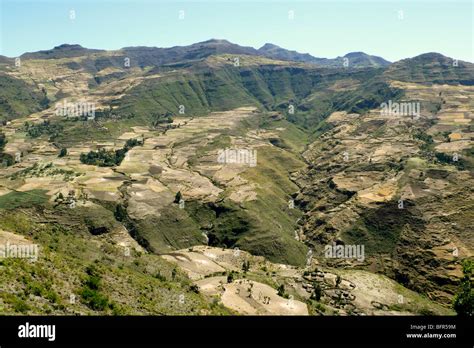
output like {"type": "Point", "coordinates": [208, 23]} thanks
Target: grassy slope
{"type": "Point", "coordinates": [203, 88]}
{"type": "Point", "coordinates": [18, 99]}
{"type": "Point", "coordinates": [129, 283]}
{"type": "Point", "coordinates": [276, 223]}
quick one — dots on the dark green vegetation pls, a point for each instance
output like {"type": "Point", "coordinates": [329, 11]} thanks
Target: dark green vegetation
{"type": "Point", "coordinates": [18, 98]}
{"type": "Point", "coordinates": [62, 152]}
{"type": "Point", "coordinates": [108, 158]}
{"type": "Point", "coordinates": [90, 292]}
{"type": "Point", "coordinates": [464, 300]}
{"type": "Point", "coordinates": [462, 161]}
{"type": "Point", "coordinates": [4, 158]}
{"type": "Point", "coordinates": [17, 199]}
{"type": "Point", "coordinates": [308, 90]}
{"type": "Point", "coordinates": [45, 128]}
{"type": "Point", "coordinates": [314, 93]}
{"type": "Point", "coordinates": [3, 141]}
{"type": "Point", "coordinates": [381, 235]}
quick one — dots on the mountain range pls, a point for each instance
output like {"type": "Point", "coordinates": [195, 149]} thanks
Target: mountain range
{"type": "Point", "coordinates": [159, 56]}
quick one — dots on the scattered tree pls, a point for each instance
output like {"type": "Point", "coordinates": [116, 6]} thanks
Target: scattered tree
{"type": "Point", "coordinates": [3, 141]}
{"type": "Point", "coordinates": [246, 266]}
{"type": "Point", "coordinates": [249, 289]}
{"type": "Point", "coordinates": [62, 152]}
{"type": "Point", "coordinates": [230, 277]}
{"type": "Point", "coordinates": [464, 300]}
{"type": "Point", "coordinates": [338, 281]}
{"type": "Point", "coordinates": [178, 197]}
{"type": "Point", "coordinates": [317, 293]}
{"type": "Point", "coordinates": [120, 213]}
{"type": "Point", "coordinates": [59, 198]}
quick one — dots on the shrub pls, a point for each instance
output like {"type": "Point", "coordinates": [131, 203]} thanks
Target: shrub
{"type": "Point", "coordinates": [464, 300]}
{"type": "Point", "coordinates": [178, 197]}
{"type": "Point", "coordinates": [246, 266]}
{"type": "Point", "coordinates": [94, 299]}
{"type": "Point", "coordinates": [62, 152]}
{"type": "Point", "coordinates": [317, 291]}
{"type": "Point", "coordinates": [3, 141]}
{"type": "Point", "coordinates": [90, 291]}
{"type": "Point", "coordinates": [281, 290]}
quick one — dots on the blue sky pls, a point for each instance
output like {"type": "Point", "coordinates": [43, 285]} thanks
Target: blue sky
{"type": "Point", "coordinates": [321, 28]}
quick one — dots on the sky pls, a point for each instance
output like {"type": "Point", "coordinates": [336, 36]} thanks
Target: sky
{"type": "Point", "coordinates": [393, 29]}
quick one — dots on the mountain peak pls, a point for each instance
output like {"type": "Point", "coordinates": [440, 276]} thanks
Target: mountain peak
{"type": "Point", "coordinates": [431, 56]}
{"type": "Point", "coordinates": [428, 58]}
{"type": "Point", "coordinates": [355, 54]}
{"type": "Point", "coordinates": [216, 41]}
{"type": "Point", "coordinates": [61, 51]}
{"type": "Point", "coordinates": [363, 59]}
{"type": "Point", "coordinates": [268, 46]}
{"type": "Point", "coordinates": [432, 67]}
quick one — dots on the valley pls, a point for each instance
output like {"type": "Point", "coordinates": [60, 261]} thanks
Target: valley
{"type": "Point", "coordinates": [139, 198]}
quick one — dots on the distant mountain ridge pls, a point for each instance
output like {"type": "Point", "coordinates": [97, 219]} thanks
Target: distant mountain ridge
{"type": "Point", "coordinates": [159, 56]}
{"type": "Point", "coordinates": [432, 67]}
{"type": "Point", "coordinates": [61, 51]}
{"type": "Point", "coordinates": [354, 59]}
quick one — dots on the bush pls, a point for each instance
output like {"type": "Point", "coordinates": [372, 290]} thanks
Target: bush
{"type": "Point", "coordinates": [317, 291]}
{"type": "Point", "coordinates": [37, 130]}
{"type": "Point", "coordinates": [464, 300]}
{"type": "Point", "coordinates": [120, 213]}
{"type": "Point", "coordinates": [281, 290]}
{"type": "Point", "coordinates": [108, 158]}
{"type": "Point", "coordinates": [338, 281]}
{"type": "Point", "coordinates": [3, 141]}
{"type": "Point", "coordinates": [90, 291]}
{"type": "Point", "coordinates": [178, 197]}
{"type": "Point", "coordinates": [62, 152]}
{"type": "Point", "coordinates": [94, 299]}
{"type": "Point", "coordinates": [246, 266]}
